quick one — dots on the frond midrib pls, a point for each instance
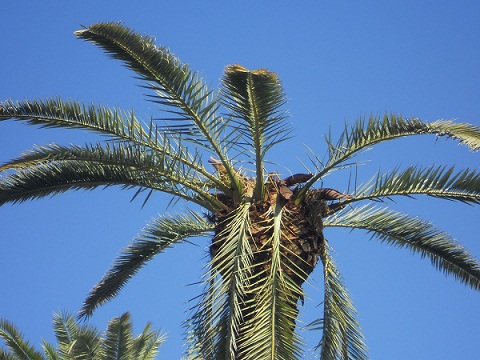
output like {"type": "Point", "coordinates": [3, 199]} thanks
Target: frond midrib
{"type": "Point", "coordinates": [258, 145]}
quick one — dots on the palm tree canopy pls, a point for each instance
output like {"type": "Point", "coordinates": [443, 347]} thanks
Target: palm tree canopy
{"type": "Point", "coordinates": [76, 341]}
{"type": "Point", "coordinates": [211, 150]}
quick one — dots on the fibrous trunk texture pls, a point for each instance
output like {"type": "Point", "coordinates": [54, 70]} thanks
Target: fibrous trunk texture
{"type": "Point", "coordinates": [301, 238]}
{"type": "Point", "coordinates": [301, 232]}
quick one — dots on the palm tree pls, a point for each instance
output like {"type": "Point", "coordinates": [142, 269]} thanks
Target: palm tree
{"type": "Point", "coordinates": [267, 231]}
{"type": "Point", "coordinates": [75, 341]}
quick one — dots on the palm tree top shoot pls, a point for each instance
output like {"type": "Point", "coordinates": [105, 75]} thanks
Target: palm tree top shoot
{"type": "Point", "coordinates": [267, 236]}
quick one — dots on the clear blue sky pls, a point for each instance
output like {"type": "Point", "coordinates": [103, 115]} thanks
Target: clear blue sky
{"type": "Point", "coordinates": [336, 61]}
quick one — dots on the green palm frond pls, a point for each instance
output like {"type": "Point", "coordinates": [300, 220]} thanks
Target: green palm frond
{"type": "Point", "coordinates": [215, 325]}
{"type": "Point", "coordinates": [157, 236]}
{"type": "Point", "coordinates": [363, 134]}
{"type": "Point", "coordinates": [118, 338]}
{"type": "Point", "coordinates": [174, 83]}
{"type": "Point", "coordinates": [54, 177]}
{"type": "Point", "coordinates": [119, 343]}
{"type": "Point", "coordinates": [366, 133]}
{"type": "Point", "coordinates": [342, 337]}
{"type": "Point", "coordinates": [148, 168]}
{"type": "Point", "coordinates": [120, 125]}
{"type": "Point", "coordinates": [66, 330]}
{"type": "Point", "coordinates": [50, 351]}
{"type": "Point", "coordinates": [51, 113]}
{"type": "Point", "coordinates": [270, 333]}
{"type": "Point", "coordinates": [419, 236]}
{"type": "Point", "coordinates": [75, 341]}
{"type": "Point", "coordinates": [254, 99]}
{"type": "Point", "coordinates": [436, 181]}
{"type": "Point", "coordinates": [37, 181]}
{"type": "Point", "coordinates": [4, 355]}
{"type": "Point", "coordinates": [145, 346]}
{"type": "Point", "coordinates": [18, 346]}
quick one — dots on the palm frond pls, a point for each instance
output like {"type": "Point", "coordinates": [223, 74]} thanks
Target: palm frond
{"type": "Point", "coordinates": [120, 125]}
{"type": "Point", "coordinates": [74, 341]}
{"type": "Point", "coordinates": [41, 180]}
{"type": "Point", "coordinates": [50, 351]}
{"type": "Point", "coordinates": [118, 338]}
{"type": "Point", "coordinates": [248, 309]}
{"type": "Point", "coordinates": [88, 344]}
{"type": "Point", "coordinates": [270, 332]}
{"type": "Point", "coordinates": [175, 85]}
{"type": "Point", "coordinates": [436, 181]}
{"type": "Point", "coordinates": [419, 236]}
{"type": "Point", "coordinates": [18, 346]}
{"type": "Point", "coordinates": [4, 355]}
{"type": "Point", "coordinates": [52, 113]}
{"type": "Point", "coordinates": [145, 346]}
{"type": "Point", "coordinates": [51, 178]}
{"type": "Point", "coordinates": [342, 337]}
{"type": "Point", "coordinates": [215, 325]}
{"type": "Point", "coordinates": [157, 236]}
{"type": "Point", "coordinates": [149, 169]}
{"type": "Point", "coordinates": [254, 99]}
{"type": "Point", "coordinates": [66, 332]}
{"type": "Point", "coordinates": [363, 134]}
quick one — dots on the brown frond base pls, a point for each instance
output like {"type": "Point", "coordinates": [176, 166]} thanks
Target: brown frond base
{"type": "Point", "coordinates": [301, 230]}
{"type": "Point", "coordinates": [301, 242]}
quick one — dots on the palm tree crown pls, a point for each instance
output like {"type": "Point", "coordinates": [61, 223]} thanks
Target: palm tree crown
{"type": "Point", "coordinates": [75, 341]}
{"type": "Point", "coordinates": [267, 232]}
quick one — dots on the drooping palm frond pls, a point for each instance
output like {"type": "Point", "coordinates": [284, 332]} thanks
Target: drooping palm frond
{"type": "Point", "coordinates": [364, 134]}
{"type": "Point", "coordinates": [215, 324]}
{"type": "Point", "coordinates": [254, 99]}
{"type": "Point", "coordinates": [270, 333]}
{"type": "Point", "coordinates": [419, 236]}
{"type": "Point", "coordinates": [50, 113]}
{"type": "Point", "coordinates": [248, 309]}
{"type": "Point", "coordinates": [42, 180]}
{"type": "Point", "coordinates": [342, 337]}
{"type": "Point", "coordinates": [157, 236]}
{"type": "Point", "coordinates": [436, 181]}
{"type": "Point", "coordinates": [120, 125]}
{"type": "Point", "coordinates": [148, 168]}
{"type": "Point", "coordinates": [19, 348]}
